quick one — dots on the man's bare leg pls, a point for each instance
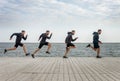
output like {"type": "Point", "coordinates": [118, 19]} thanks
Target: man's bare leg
{"type": "Point", "coordinates": [67, 50]}
{"type": "Point", "coordinates": [98, 52]}
{"type": "Point", "coordinates": [25, 50]}
{"type": "Point", "coordinates": [36, 51]}
{"type": "Point", "coordinates": [93, 48]}
{"type": "Point", "coordinates": [33, 55]}
{"type": "Point", "coordinates": [10, 49]}
{"type": "Point", "coordinates": [48, 49]}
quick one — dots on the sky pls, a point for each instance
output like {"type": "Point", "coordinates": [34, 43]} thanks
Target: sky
{"type": "Point", "coordinates": [60, 17]}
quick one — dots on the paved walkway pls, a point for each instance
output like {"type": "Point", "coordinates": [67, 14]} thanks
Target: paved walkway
{"type": "Point", "coordinates": [59, 69]}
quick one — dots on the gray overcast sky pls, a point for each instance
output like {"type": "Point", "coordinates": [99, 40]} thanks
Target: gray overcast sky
{"type": "Point", "coordinates": [60, 16]}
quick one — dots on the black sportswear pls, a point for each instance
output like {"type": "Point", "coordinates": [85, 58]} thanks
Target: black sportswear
{"type": "Point", "coordinates": [19, 37]}
{"type": "Point", "coordinates": [43, 38]}
{"type": "Point", "coordinates": [69, 38]}
{"type": "Point", "coordinates": [96, 40]}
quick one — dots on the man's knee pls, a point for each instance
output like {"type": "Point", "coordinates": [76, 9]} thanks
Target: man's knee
{"type": "Point", "coordinates": [23, 45]}
{"type": "Point", "coordinates": [95, 49]}
{"type": "Point", "coordinates": [49, 45]}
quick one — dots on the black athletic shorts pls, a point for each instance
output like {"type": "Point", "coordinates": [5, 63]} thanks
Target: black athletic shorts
{"type": "Point", "coordinates": [70, 44]}
{"type": "Point", "coordinates": [18, 44]}
{"type": "Point", "coordinates": [96, 45]}
{"type": "Point", "coordinates": [42, 44]}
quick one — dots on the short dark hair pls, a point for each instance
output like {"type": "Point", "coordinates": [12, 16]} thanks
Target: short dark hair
{"type": "Point", "coordinates": [47, 31]}
{"type": "Point", "coordinates": [23, 30]}
{"type": "Point", "coordinates": [99, 30]}
{"type": "Point", "coordinates": [73, 30]}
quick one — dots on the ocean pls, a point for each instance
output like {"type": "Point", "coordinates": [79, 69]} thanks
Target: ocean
{"type": "Point", "coordinates": [58, 50]}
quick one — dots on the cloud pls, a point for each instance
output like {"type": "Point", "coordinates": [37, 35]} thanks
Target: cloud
{"type": "Point", "coordinates": [11, 10]}
{"type": "Point", "coordinates": [99, 8]}
{"type": "Point", "coordinates": [85, 8]}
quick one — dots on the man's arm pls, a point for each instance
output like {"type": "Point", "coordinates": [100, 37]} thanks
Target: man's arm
{"type": "Point", "coordinates": [40, 37]}
{"type": "Point", "coordinates": [50, 36]}
{"type": "Point", "coordinates": [97, 37]}
{"type": "Point", "coordinates": [25, 38]}
{"type": "Point", "coordinates": [13, 35]}
{"type": "Point", "coordinates": [74, 39]}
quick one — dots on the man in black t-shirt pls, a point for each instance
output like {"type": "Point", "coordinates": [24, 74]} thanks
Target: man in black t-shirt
{"type": "Point", "coordinates": [68, 41]}
{"type": "Point", "coordinates": [19, 37]}
{"type": "Point", "coordinates": [43, 37]}
{"type": "Point", "coordinates": [96, 42]}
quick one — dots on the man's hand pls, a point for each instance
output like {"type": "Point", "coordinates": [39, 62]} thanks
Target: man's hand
{"type": "Point", "coordinates": [26, 35]}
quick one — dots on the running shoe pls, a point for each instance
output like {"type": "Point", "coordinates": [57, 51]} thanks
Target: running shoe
{"type": "Point", "coordinates": [47, 52]}
{"type": "Point", "coordinates": [5, 51]}
{"type": "Point", "coordinates": [88, 45]}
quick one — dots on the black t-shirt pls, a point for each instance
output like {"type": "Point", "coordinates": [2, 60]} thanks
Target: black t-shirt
{"type": "Point", "coordinates": [69, 38]}
{"type": "Point", "coordinates": [19, 37]}
{"type": "Point", "coordinates": [95, 37]}
{"type": "Point", "coordinates": [44, 37]}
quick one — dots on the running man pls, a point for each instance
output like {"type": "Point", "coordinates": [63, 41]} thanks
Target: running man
{"type": "Point", "coordinates": [19, 37]}
{"type": "Point", "coordinates": [96, 43]}
{"type": "Point", "coordinates": [68, 41]}
{"type": "Point", "coordinates": [43, 37]}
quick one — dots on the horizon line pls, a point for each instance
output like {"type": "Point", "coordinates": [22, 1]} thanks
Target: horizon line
{"type": "Point", "coordinates": [59, 42]}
